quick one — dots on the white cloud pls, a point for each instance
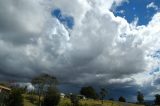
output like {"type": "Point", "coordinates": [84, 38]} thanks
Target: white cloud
{"type": "Point", "coordinates": [125, 80]}
{"type": "Point", "coordinates": [152, 5]}
{"type": "Point", "coordinates": [101, 49]}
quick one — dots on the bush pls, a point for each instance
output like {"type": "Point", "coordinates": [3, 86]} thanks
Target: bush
{"type": "Point", "coordinates": [32, 98]}
{"type": "Point", "coordinates": [122, 99]}
{"type": "Point", "coordinates": [157, 99]}
{"type": "Point", "coordinates": [140, 97]}
{"type": "Point", "coordinates": [15, 98]}
{"type": "Point", "coordinates": [4, 98]}
{"type": "Point", "coordinates": [89, 92]}
{"type": "Point", "coordinates": [112, 99]}
{"type": "Point", "coordinates": [74, 100]}
{"type": "Point", "coordinates": [52, 97]}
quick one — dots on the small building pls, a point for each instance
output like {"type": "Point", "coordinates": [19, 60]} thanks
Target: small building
{"type": "Point", "coordinates": [81, 97]}
{"type": "Point", "coordinates": [62, 95]}
{"type": "Point", "coordinates": [4, 89]}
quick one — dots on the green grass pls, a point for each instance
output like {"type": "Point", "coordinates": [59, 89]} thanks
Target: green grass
{"type": "Point", "coordinates": [64, 102]}
{"type": "Point", "coordinates": [87, 102]}
{"type": "Point", "coordinates": [90, 102]}
{"type": "Point", "coordinates": [27, 102]}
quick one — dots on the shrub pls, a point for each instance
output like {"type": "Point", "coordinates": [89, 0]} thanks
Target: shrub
{"type": "Point", "coordinates": [74, 100]}
{"type": "Point", "coordinates": [89, 92]}
{"type": "Point", "coordinates": [140, 97]}
{"type": "Point", "coordinates": [157, 99]}
{"type": "Point", "coordinates": [32, 98]}
{"type": "Point", "coordinates": [122, 99]}
{"type": "Point", "coordinates": [52, 97]}
{"type": "Point", "coordinates": [15, 98]}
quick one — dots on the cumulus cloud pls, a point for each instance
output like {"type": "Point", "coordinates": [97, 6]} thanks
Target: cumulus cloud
{"type": "Point", "coordinates": [100, 49]}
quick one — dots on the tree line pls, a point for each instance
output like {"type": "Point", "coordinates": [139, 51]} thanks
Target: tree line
{"type": "Point", "coordinates": [48, 94]}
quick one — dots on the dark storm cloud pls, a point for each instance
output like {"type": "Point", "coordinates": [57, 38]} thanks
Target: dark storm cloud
{"type": "Point", "coordinates": [20, 20]}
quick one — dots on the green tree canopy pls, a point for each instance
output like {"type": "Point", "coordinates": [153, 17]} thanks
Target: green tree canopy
{"type": "Point", "coordinates": [89, 92]}
{"type": "Point", "coordinates": [15, 97]}
{"type": "Point", "coordinates": [43, 82]}
{"type": "Point", "coordinates": [122, 99]}
{"type": "Point", "coordinates": [74, 100]}
{"type": "Point", "coordinates": [140, 97]}
{"type": "Point", "coordinates": [103, 93]}
{"type": "Point", "coordinates": [52, 97]}
{"type": "Point", "coordinates": [157, 99]}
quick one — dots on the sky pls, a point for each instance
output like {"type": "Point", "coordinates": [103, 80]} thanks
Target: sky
{"type": "Point", "coordinates": [113, 44]}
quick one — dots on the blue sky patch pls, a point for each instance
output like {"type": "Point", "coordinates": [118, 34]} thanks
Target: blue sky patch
{"type": "Point", "coordinates": [138, 9]}
{"type": "Point", "coordinates": [66, 20]}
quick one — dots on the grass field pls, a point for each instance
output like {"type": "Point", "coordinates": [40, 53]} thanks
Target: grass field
{"type": "Point", "coordinates": [88, 102]}
{"type": "Point", "coordinates": [27, 102]}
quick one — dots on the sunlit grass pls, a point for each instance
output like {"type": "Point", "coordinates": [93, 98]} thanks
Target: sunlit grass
{"type": "Point", "coordinates": [91, 102]}
{"type": "Point", "coordinates": [87, 102]}
{"type": "Point", "coordinates": [27, 102]}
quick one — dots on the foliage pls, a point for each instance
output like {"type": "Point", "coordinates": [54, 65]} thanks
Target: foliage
{"type": "Point", "coordinates": [74, 100]}
{"type": "Point", "coordinates": [89, 102]}
{"type": "Point", "coordinates": [52, 97]}
{"type": "Point", "coordinates": [27, 100]}
{"type": "Point", "coordinates": [89, 92]}
{"type": "Point", "coordinates": [32, 98]}
{"type": "Point", "coordinates": [122, 99]}
{"type": "Point", "coordinates": [4, 98]}
{"type": "Point", "coordinates": [65, 102]}
{"type": "Point", "coordinates": [44, 79]}
{"type": "Point", "coordinates": [20, 89]}
{"type": "Point", "coordinates": [42, 82]}
{"type": "Point", "coordinates": [140, 97]}
{"type": "Point", "coordinates": [112, 99]}
{"type": "Point", "coordinates": [157, 99]}
{"type": "Point", "coordinates": [103, 93]}
{"type": "Point", "coordinates": [15, 98]}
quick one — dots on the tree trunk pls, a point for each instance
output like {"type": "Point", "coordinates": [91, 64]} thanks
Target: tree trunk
{"type": "Point", "coordinates": [39, 98]}
{"type": "Point", "coordinates": [102, 101]}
